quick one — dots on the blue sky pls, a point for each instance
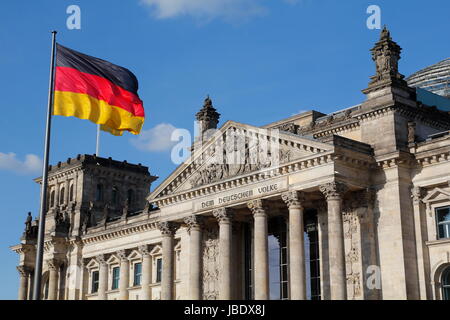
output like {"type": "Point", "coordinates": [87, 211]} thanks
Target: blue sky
{"type": "Point", "coordinates": [260, 60]}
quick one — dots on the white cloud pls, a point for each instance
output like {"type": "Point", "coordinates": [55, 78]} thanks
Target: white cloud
{"type": "Point", "coordinates": [155, 139]}
{"type": "Point", "coordinates": [31, 165]}
{"type": "Point", "coordinates": [207, 9]}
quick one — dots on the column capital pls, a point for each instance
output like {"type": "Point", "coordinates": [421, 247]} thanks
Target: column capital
{"type": "Point", "coordinates": [144, 250]}
{"type": "Point", "coordinates": [258, 207]}
{"type": "Point", "coordinates": [24, 271]}
{"type": "Point", "coordinates": [293, 199]}
{"type": "Point", "coordinates": [417, 194]}
{"type": "Point", "coordinates": [194, 222]}
{"type": "Point", "coordinates": [167, 228]}
{"type": "Point", "coordinates": [53, 264]}
{"type": "Point", "coordinates": [223, 215]}
{"type": "Point", "coordinates": [333, 190]}
{"type": "Point", "coordinates": [122, 254]}
{"type": "Point", "coordinates": [101, 259]}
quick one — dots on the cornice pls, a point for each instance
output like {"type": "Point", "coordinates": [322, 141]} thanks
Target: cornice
{"type": "Point", "coordinates": [118, 232]}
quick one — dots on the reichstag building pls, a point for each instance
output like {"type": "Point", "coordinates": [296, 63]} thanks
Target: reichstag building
{"type": "Point", "coordinates": [349, 205]}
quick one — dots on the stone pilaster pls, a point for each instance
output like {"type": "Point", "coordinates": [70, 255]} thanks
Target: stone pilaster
{"type": "Point", "coordinates": [102, 277]}
{"type": "Point", "coordinates": [224, 216]}
{"type": "Point", "coordinates": [146, 272]}
{"type": "Point", "coordinates": [333, 193]}
{"type": "Point", "coordinates": [420, 224]}
{"type": "Point", "coordinates": [25, 273]}
{"type": "Point", "coordinates": [124, 275]}
{"type": "Point", "coordinates": [53, 269]}
{"type": "Point", "coordinates": [168, 230]}
{"type": "Point", "coordinates": [297, 273]}
{"type": "Point", "coordinates": [195, 226]}
{"type": "Point", "coordinates": [261, 249]}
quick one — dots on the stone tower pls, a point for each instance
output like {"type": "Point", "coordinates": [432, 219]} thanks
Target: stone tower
{"type": "Point", "coordinates": [89, 191]}
{"type": "Point", "coordinates": [207, 118]}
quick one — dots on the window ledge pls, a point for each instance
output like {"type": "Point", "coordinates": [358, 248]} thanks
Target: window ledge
{"type": "Point", "coordinates": [113, 291]}
{"type": "Point", "coordinates": [438, 242]}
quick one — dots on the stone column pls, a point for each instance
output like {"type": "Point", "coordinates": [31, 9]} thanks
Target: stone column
{"type": "Point", "coordinates": [146, 272]}
{"type": "Point", "coordinates": [124, 279]}
{"type": "Point", "coordinates": [53, 268]}
{"type": "Point", "coordinates": [195, 224]}
{"type": "Point", "coordinates": [224, 217]}
{"type": "Point", "coordinates": [102, 277]}
{"type": "Point", "coordinates": [297, 273]}
{"type": "Point", "coordinates": [333, 193]}
{"type": "Point", "coordinates": [167, 286]}
{"type": "Point", "coordinates": [261, 249]}
{"type": "Point", "coordinates": [24, 272]}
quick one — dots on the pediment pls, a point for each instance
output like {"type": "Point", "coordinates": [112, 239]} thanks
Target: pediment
{"type": "Point", "coordinates": [437, 195]}
{"type": "Point", "coordinates": [157, 250]}
{"type": "Point", "coordinates": [92, 264]}
{"type": "Point", "coordinates": [134, 255]}
{"type": "Point", "coordinates": [237, 150]}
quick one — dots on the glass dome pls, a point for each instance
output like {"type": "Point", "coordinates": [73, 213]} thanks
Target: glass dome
{"type": "Point", "coordinates": [435, 78]}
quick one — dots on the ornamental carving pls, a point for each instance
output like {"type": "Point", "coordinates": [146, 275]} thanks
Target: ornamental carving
{"type": "Point", "coordinates": [257, 207]}
{"type": "Point", "coordinates": [122, 254]}
{"type": "Point", "coordinates": [194, 222]}
{"type": "Point", "coordinates": [223, 215]}
{"type": "Point", "coordinates": [417, 194]}
{"type": "Point", "coordinates": [167, 228]}
{"type": "Point", "coordinates": [333, 190]}
{"type": "Point", "coordinates": [210, 264]}
{"type": "Point", "coordinates": [144, 250]}
{"type": "Point", "coordinates": [101, 259]}
{"type": "Point", "coordinates": [53, 264]}
{"type": "Point", "coordinates": [24, 270]}
{"type": "Point", "coordinates": [293, 198]}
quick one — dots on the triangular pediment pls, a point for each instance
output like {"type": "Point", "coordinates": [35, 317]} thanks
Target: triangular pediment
{"type": "Point", "coordinates": [237, 150]}
{"type": "Point", "coordinates": [436, 195]}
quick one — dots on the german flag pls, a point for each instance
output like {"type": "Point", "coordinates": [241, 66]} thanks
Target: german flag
{"type": "Point", "coordinates": [104, 93]}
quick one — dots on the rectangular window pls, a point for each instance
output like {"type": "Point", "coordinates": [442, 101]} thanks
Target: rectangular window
{"type": "Point", "coordinates": [443, 222]}
{"type": "Point", "coordinates": [158, 269]}
{"type": "Point", "coordinates": [115, 278]}
{"type": "Point", "coordinates": [137, 274]}
{"type": "Point", "coordinates": [94, 283]}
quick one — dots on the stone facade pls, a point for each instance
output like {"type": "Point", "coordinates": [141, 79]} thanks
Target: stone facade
{"type": "Point", "coordinates": [363, 184]}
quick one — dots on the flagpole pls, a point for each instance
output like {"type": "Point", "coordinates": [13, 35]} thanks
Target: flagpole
{"type": "Point", "coordinates": [97, 146]}
{"type": "Point", "coordinates": [42, 212]}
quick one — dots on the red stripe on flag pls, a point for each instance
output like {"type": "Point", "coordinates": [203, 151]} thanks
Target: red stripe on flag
{"type": "Point", "coordinates": [72, 80]}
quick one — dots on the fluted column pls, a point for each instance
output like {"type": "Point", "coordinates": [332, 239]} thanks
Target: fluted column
{"type": "Point", "coordinates": [333, 193]}
{"type": "Point", "coordinates": [195, 224]}
{"type": "Point", "coordinates": [261, 249]}
{"type": "Point", "coordinates": [224, 217]}
{"type": "Point", "coordinates": [24, 272]}
{"type": "Point", "coordinates": [167, 286]}
{"type": "Point", "coordinates": [146, 272]}
{"type": "Point", "coordinates": [297, 273]}
{"type": "Point", "coordinates": [53, 268]}
{"type": "Point", "coordinates": [102, 277]}
{"type": "Point", "coordinates": [124, 275]}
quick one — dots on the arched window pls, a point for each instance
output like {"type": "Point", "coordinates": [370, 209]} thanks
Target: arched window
{"type": "Point", "coordinates": [71, 193]}
{"type": "Point", "coordinates": [61, 195]}
{"type": "Point", "coordinates": [445, 281]}
{"type": "Point", "coordinates": [52, 198]}
{"type": "Point", "coordinates": [99, 193]}
{"type": "Point", "coordinates": [130, 196]}
{"type": "Point", "coordinates": [115, 195]}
